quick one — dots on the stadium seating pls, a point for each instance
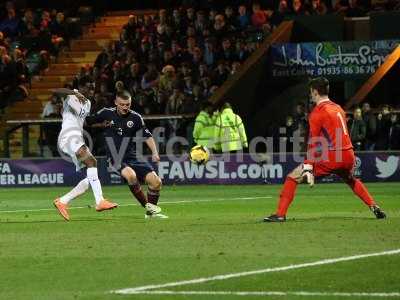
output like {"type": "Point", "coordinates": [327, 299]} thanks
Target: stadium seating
{"type": "Point", "coordinates": [83, 51]}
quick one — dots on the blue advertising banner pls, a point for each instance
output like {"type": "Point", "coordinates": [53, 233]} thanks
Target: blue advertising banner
{"type": "Point", "coordinates": [330, 58]}
{"type": "Point", "coordinates": [246, 169]}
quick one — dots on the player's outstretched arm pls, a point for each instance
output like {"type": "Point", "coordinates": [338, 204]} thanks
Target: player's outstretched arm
{"type": "Point", "coordinates": [63, 92]}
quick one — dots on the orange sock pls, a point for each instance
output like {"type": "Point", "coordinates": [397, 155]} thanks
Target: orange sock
{"type": "Point", "coordinates": [286, 196]}
{"type": "Point", "coordinates": [361, 191]}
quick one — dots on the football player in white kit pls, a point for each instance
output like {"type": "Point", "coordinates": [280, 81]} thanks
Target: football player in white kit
{"type": "Point", "coordinates": [71, 142]}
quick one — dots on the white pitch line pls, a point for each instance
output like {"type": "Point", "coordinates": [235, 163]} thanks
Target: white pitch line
{"type": "Point", "coordinates": [254, 272]}
{"type": "Point", "coordinates": [134, 204]}
{"type": "Point", "coordinates": [269, 293]}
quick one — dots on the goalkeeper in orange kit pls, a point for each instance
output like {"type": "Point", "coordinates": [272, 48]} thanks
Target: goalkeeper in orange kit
{"type": "Point", "coordinates": [330, 151]}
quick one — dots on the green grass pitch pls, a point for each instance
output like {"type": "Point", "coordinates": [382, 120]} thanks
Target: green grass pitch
{"type": "Point", "coordinates": [212, 230]}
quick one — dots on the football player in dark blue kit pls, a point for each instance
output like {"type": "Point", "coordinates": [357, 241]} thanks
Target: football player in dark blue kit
{"type": "Point", "coordinates": [124, 129]}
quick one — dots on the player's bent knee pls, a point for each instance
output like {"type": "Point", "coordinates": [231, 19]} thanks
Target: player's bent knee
{"type": "Point", "coordinates": [158, 183]}
{"type": "Point", "coordinates": [350, 180]}
{"type": "Point", "coordinates": [91, 161]}
{"type": "Point", "coordinates": [131, 179]}
{"type": "Point", "coordinates": [154, 181]}
{"type": "Point", "coordinates": [86, 157]}
{"type": "Point", "coordinates": [129, 175]}
{"type": "Point", "coordinates": [296, 174]}
{"type": "Point", "coordinates": [293, 177]}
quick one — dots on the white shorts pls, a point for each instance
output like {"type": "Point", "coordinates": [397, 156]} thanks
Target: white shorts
{"type": "Point", "coordinates": [69, 144]}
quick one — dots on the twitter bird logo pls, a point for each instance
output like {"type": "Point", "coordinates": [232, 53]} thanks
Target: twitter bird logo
{"type": "Point", "coordinates": [387, 168]}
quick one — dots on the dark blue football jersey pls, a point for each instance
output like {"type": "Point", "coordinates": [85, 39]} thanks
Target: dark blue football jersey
{"type": "Point", "coordinates": [125, 133]}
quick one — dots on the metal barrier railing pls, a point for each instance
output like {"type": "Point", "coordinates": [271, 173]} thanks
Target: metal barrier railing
{"type": "Point", "coordinates": [25, 124]}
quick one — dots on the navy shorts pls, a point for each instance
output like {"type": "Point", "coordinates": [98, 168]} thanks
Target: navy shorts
{"type": "Point", "coordinates": [141, 168]}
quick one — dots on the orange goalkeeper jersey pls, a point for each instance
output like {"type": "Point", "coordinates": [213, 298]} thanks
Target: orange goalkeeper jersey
{"type": "Point", "coordinates": [327, 130]}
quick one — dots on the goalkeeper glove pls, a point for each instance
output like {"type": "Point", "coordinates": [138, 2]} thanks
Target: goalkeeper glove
{"type": "Point", "coordinates": [308, 174]}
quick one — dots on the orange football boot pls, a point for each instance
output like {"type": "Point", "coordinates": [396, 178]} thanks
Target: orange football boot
{"type": "Point", "coordinates": [62, 209]}
{"type": "Point", "coordinates": [105, 205]}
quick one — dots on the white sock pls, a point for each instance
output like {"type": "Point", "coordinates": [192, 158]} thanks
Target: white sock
{"type": "Point", "coordinates": [95, 184]}
{"type": "Point", "coordinates": [78, 190]}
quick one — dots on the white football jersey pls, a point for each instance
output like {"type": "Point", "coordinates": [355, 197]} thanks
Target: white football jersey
{"type": "Point", "coordinates": [74, 114]}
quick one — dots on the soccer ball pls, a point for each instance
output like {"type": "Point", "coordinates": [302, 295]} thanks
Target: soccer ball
{"type": "Point", "coordinates": [199, 154]}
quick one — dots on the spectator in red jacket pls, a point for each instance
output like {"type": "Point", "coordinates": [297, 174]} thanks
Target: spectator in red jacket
{"type": "Point", "coordinates": [258, 18]}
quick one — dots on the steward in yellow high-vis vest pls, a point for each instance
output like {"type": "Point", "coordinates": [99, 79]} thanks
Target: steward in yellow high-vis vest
{"type": "Point", "coordinates": [229, 130]}
{"type": "Point", "coordinates": [203, 132]}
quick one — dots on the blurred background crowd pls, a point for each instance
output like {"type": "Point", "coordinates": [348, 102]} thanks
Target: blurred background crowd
{"type": "Point", "coordinates": [370, 129]}
{"type": "Point", "coordinates": [173, 61]}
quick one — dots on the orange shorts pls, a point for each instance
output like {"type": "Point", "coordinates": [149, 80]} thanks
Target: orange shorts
{"type": "Point", "coordinates": [341, 164]}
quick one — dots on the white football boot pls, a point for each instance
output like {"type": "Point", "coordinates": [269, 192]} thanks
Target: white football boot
{"type": "Point", "coordinates": [153, 211]}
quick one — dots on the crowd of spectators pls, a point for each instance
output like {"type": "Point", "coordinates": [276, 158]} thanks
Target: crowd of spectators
{"type": "Point", "coordinates": [375, 131]}
{"type": "Point", "coordinates": [23, 33]}
{"type": "Point", "coordinates": [369, 129]}
{"type": "Point", "coordinates": [172, 62]}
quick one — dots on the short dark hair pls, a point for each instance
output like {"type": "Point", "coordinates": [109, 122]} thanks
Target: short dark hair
{"type": "Point", "coordinates": [321, 84]}
{"type": "Point", "coordinates": [124, 95]}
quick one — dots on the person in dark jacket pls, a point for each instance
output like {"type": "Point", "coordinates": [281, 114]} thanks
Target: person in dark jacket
{"type": "Point", "coordinates": [370, 121]}
{"type": "Point", "coordinates": [357, 130]}
{"type": "Point", "coordinates": [394, 133]}
{"type": "Point", "coordinates": [382, 129]}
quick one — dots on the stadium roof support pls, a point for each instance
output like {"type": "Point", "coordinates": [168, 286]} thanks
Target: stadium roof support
{"type": "Point", "coordinates": [375, 78]}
